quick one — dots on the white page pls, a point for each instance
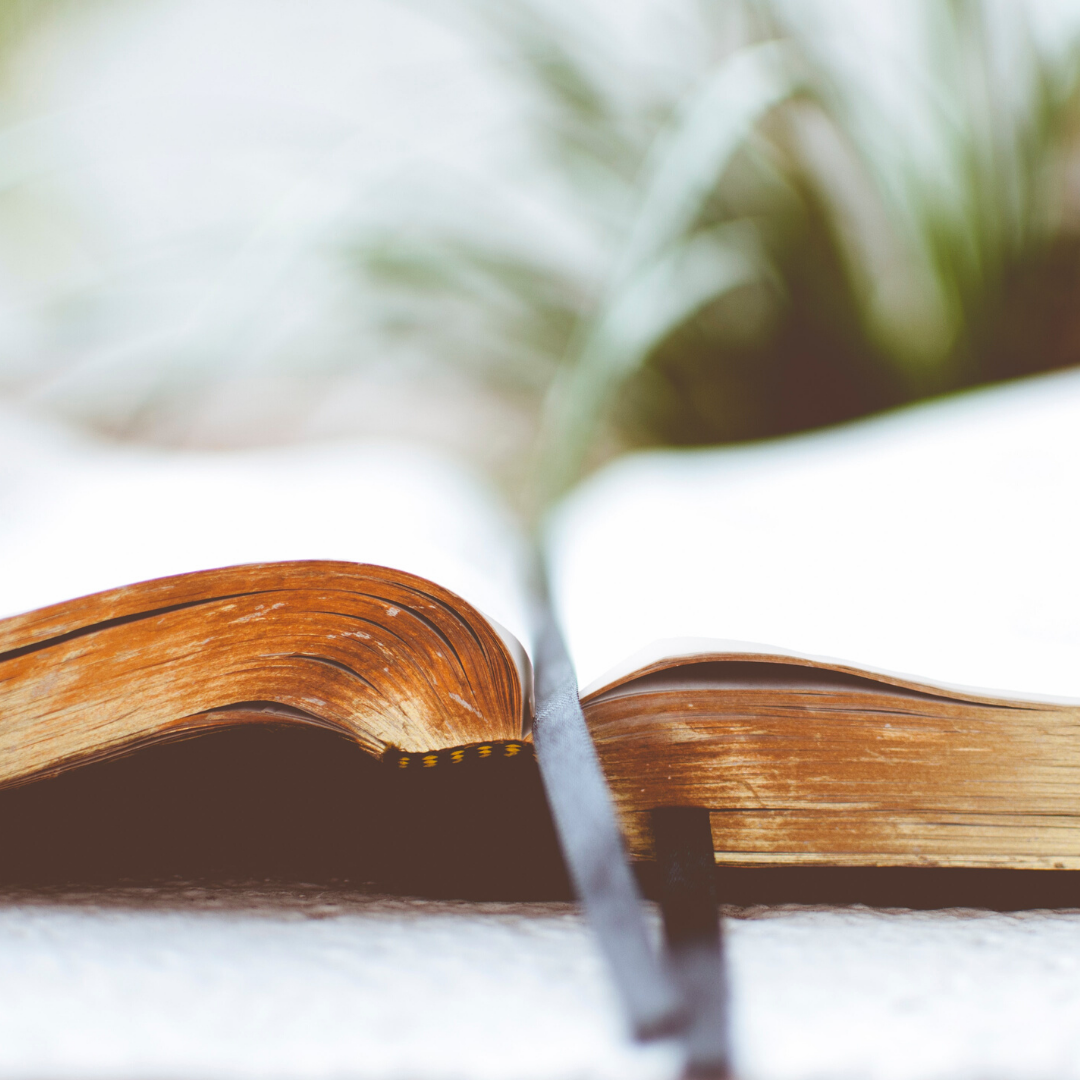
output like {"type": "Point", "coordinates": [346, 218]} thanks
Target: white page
{"type": "Point", "coordinates": [77, 517]}
{"type": "Point", "coordinates": [940, 543]}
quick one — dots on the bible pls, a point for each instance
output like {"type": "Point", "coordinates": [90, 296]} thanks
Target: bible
{"type": "Point", "coordinates": [852, 647]}
{"type": "Point", "coordinates": [855, 647]}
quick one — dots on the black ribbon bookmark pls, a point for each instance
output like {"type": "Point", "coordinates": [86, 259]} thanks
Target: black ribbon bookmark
{"type": "Point", "coordinates": [692, 931]}
{"type": "Point", "coordinates": [592, 842]}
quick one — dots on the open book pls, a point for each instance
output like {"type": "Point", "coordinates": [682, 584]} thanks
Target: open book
{"type": "Point", "coordinates": [860, 646]}
{"type": "Point", "coordinates": [855, 647]}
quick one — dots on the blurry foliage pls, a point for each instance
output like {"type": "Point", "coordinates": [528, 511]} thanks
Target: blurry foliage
{"type": "Point", "coordinates": [823, 227]}
{"type": "Point", "coordinates": [18, 18]}
{"type": "Point", "coordinates": [15, 18]}
{"type": "Point", "coordinates": [455, 291]}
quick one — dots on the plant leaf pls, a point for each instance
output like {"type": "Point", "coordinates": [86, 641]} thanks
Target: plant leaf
{"type": "Point", "coordinates": [690, 155]}
{"type": "Point", "coordinates": [665, 273]}
{"type": "Point", "coordinates": [652, 303]}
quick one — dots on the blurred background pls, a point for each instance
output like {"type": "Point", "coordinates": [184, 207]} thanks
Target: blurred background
{"type": "Point", "coordinates": [534, 234]}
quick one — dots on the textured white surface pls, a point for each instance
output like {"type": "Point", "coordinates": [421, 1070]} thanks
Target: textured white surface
{"type": "Point", "coordinates": [861, 993]}
{"type": "Point", "coordinates": [379, 989]}
{"type": "Point", "coordinates": [196, 983]}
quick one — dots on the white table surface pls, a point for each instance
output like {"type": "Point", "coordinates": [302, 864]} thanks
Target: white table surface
{"type": "Point", "coordinates": [194, 981]}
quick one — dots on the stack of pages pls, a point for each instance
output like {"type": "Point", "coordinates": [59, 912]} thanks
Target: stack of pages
{"type": "Point", "coordinates": [854, 647]}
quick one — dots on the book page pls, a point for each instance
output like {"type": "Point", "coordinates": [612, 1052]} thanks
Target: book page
{"type": "Point", "coordinates": [939, 543]}
{"type": "Point", "coordinates": [78, 516]}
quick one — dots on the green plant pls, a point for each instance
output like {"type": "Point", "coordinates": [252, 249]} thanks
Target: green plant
{"type": "Point", "coordinates": [846, 212]}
